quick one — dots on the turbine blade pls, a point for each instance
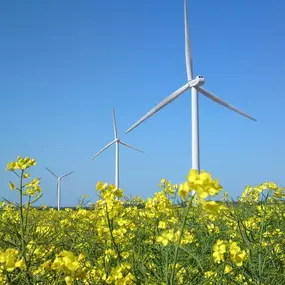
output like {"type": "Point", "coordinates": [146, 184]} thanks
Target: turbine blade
{"type": "Point", "coordinates": [67, 174]}
{"type": "Point", "coordinates": [115, 125]}
{"type": "Point", "coordinates": [51, 172]}
{"type": "Point", "coordinates": [188, 52]}
{"type": "Point", "coordinates": [127, 145]}
{"type": "Point", "coordinates": [222, 102]}
{"type": "Point", "coordinates": [159, 106]}
{"type": "Point", "coordinates": [109, 144]}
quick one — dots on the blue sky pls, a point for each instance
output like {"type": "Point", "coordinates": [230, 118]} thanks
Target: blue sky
{"type": "Point", "coordinates": [66, 64]}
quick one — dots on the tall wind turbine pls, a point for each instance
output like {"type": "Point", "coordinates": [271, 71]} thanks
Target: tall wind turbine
{"type": "Point", "coordinates": [117, 141]}
{"type": "Point", "coordinates": [59, 185]}
{"type": "Point", "coordinates": [196, 86]}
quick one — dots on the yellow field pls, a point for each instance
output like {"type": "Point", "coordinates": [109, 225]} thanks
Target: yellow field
{"type": "Point", "coordinates": [172, 238]}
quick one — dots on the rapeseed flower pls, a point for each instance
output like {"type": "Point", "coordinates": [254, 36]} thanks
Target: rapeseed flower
{"type": "Point", "coordinates": [219, 250]}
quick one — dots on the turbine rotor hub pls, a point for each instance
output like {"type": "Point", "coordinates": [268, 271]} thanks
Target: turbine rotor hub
{"type": "Point", "coordinates": [198, 81]}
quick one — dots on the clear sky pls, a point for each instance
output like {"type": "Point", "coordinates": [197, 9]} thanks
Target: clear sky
{"type": "Point", "coordinates": [65, 64]}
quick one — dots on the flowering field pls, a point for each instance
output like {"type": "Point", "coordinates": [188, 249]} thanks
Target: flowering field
{"type": "Point", "coordinates": [172, 238]}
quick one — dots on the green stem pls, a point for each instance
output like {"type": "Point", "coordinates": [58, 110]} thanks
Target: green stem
{"type": "Point", "coordinates": [260, 266]}
{"type": "Point", "coordinates": [28, 208]}
{"type": "Point", "coordinates": [22, 226]}
{"type": "Point", "coordinates": [166, 269]}
{"type": "Point", "coordinates": [179, 239]}
{"type": "Point", "coordinates": [21, 214]}
{"type": "Point", "coordinates": [111, 234]}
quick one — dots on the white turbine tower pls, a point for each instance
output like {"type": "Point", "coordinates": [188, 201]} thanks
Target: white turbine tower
{"type": "Point", "coordinates": [195, 85]}
{"type": "Point", "coordinates": [59, 185]}
{"type": "Point", "coordinates": [117, 141]}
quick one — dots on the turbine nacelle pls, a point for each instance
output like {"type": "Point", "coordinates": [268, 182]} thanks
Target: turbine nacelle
{"type": "Point", "coordinates": [198, 81]}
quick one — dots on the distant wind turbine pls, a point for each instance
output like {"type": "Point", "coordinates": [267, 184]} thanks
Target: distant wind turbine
{"type": "Point", "coordinates": [117, 141]}
{"type": "Point", "coordinates": [59, 185]}
{"type": "Point", "coordinates": [195, 85]}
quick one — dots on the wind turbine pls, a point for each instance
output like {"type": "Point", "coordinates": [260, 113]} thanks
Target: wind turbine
{"type": "Point", "coordinates": [196, 86]}
{"type": "Point", "coordinates": [59, 185]}
{"type": "Point", "coordinates": [117, 141]}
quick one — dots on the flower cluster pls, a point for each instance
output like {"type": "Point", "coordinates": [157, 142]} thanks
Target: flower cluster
{"type": "Point", "coordinates": [33, 188]}
{"type": "Point", "coordinates": [168, 187]}
{"type": "Point", "coordinates": [201, 183]}
{"type": "Point", "coordinates": [72, 267]}
{"type": "Point", "coordinates": [9, 260]}
{"type": "Point", "coordinates": [22, 163]}
{"type": "Point", "coordinates": [237, 255]}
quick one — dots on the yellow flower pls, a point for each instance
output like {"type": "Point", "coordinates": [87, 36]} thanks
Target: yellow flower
{"type": "Point", "coordinates": [9, 259]}
{"type": "Point", "coordinates": [20, 264]}
{"type": "Point", "coordinates": [234, 247]}
{"type": "Point", "coordinates": [68, 280]}
{"type": "Point", "coordinates": [162, 225]}
{"type": "Point", "coordinates": [118, 193]}
{"type": "Point", "coordinates": [203, 184]}
{"type": "Point", "coordinates": [183, 190]}
{"type": "Point", "coordinates": [219, 250]}
{"type": "Point", "coordinates": [193, 175]}
{"type": "Point", "coordinates": [209, 274]}
{"type": "Point", "coordinates": [70, 260]}
{"type": "Point", "coordinates": [47, 264]}
{"type": "Point", "coordinates": [228, 269]}
{"type": "Point", "coordinates": [205, 178]}
{"type": "Point", "coordinates": [238, 256]}
{"type": "Point", "coordinates": [163, 180]}
{"type": "Point", "coordinates": [187, 238]}
{"type": "Point", "coordinates": [213, 229]}
{"type": "Point", "coordinates": [165, 237]}
{"type": "Point", "coordinates": [99, 186]}
{"type": "Point", "coordinates": [10, 166]}
{"type": "Point", "coordinates": [240, 278]}
{"type": "Point", "coordinates": [57, 263]}
{"type": "Point", "coordinates": [12, 186]}
{"type": "Point", "coordinates": [212, 207]}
